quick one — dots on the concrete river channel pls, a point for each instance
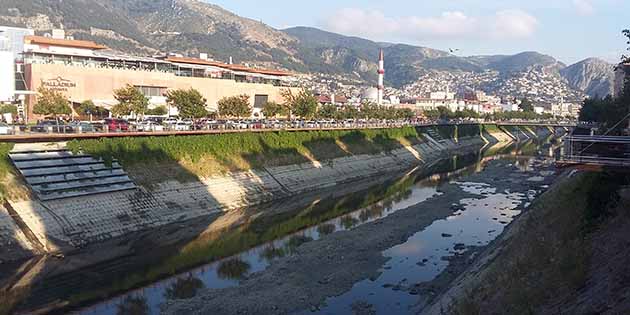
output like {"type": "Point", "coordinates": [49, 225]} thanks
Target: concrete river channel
{"type": "Point", "coordinates": [483, 191]}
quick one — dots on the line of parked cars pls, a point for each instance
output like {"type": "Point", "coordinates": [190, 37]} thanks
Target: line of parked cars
{"type": "Point", "coordinates": [153, 124]}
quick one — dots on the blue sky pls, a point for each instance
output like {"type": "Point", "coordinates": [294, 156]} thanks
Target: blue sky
{"type": "Point", "coordinates": [569, 30]}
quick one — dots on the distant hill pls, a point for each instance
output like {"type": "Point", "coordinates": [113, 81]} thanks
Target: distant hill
{"type": "Point", "coordinates": [190, 27]}
{"type": "Point", "coordinates": [594, 76]}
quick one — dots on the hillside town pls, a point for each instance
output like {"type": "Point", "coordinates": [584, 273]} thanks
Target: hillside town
{"type": "Point", "coordinates": [58, 62]}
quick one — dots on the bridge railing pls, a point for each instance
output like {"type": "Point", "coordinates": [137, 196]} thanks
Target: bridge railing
{"type": "Point", "coordinates": [597, 150]}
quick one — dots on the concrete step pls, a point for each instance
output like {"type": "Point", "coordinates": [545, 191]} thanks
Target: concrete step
{"type": "Point", "coordinates": [55, 155]}
{"type": "Point", "coordinates": [73, 169]}
{"type": "Point", "coordinates": [52, 179]}
{"type": "Point", "coordinates": [26, 165]}
{"type": "Point", "coordinates": [46, 188]}
{"type": "Point", "coordinates": [87, 191]}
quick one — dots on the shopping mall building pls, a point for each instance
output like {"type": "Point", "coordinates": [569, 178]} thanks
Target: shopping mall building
{"type": "Point", "coordinates": [84, 70]}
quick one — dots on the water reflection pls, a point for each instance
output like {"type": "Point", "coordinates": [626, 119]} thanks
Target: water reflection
{"type": "Point", "coordinates": [476, 222]}
{"type": "Point", "coordinates": [229, 255]}
{"type": "Point", "coordinates": [184, 288]}
{"type": "Point", "coordinates": [133, 305]}
{"type": "Point", "coordinates": [233, 269]}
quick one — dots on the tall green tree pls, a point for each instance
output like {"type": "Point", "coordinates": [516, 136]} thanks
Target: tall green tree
{"type": "Point", "coordinates": [235, 106]}
{"type": "Point", "coordinates": [303, 104]}
{"type": "Point", "coordinates": [51, 103]}
{"type": "Point", "coordinates": [611, 113]}
{"type": "Point", "coordinates": [88, 108]}
{"type": "Point", "coordinates": [370, 110]}
{"type": "Point", "coordinates": [130, 101]}
{"type": "Point", "coordinates": [327, 111]}
{"type": "Point", "coordinates": [157, 111]}
{"type": "Point", "coordinates": [273, 109]}
{"type": "Point", "coordinates": [526, 105]}
{"type": "Point", "coordinates": [190, 103]}
{"type": "Point", "coordinates": [8, 109]}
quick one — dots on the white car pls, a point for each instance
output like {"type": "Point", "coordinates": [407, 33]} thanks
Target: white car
{"type": "Point", "coordinates": [170, 121]}
{"type": "Point", "coordinates": [149, 126]}
{"type": "Point", "coordinates": [5, 129]}
{"type": "Point", "coordinates": [181, 126]}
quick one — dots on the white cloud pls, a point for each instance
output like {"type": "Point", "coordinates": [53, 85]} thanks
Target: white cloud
{"type": "Point", "coordinates": [584, 7]}
{"type": "Point", "coordinates": [508, 24]}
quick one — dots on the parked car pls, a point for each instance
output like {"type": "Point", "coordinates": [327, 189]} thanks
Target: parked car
{"type": "Point", "coordinates": [53, 125]}
{"type": "Point", "coordinates": [149, 125]}
{"type": "Point", "coordinates": [115, 124]}
{"type": "Point", "coordinates": [181, 126]}
{"type": "Point", "coordinates": [85, 126]}
{"type": "Point", "coordinates": [170, 121]}
{"type": "Point", "coordinates": [5, 129]}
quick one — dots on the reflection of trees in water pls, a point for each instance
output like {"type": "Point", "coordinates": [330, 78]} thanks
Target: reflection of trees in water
{"type": "Point", "coordinates": [296, 240]}
{"type": "Point", "coordinates": [234, 269]}
{"type": "Point", "coordinates": [270, 253]}
{"type": "Point", "coordinates": [326, 229]}
{"type": "Point", "coordinates": [133, 305]}
{"type": "Point", "coordinates": [184, 288]}
{"type": "Point", "coordinates": [349, 221]}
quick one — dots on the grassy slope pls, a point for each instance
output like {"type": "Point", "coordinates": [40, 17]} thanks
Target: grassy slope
{"type": "Point", "coordinates": [190, 157]}
{"type": "Point", "coordinates": [11, 186]}
{"type": "Point", "coordinates": [547, 254]}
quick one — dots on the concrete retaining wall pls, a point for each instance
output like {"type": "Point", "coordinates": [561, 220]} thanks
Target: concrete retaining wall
{"type": "Point", "coordinates": [66, 224]}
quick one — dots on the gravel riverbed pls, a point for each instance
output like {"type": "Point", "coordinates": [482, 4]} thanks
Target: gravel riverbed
{"type": "Point", "coordinates": [331, 265]}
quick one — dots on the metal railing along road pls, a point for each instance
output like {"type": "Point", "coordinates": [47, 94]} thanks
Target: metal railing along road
{"type": "Point", "coordinates": [94, 130]}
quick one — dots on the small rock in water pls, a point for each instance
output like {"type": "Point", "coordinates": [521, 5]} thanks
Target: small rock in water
{"type": "Point", "coordinates": [446, 235]}
{"type": "Point", "coordinates": [491, 231]}
{"type": "Point", "coordinates": [459, 246]}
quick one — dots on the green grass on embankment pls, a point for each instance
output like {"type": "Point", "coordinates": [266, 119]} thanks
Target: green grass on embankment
{"type": "Point", "coordinates": [5, 169]}
{"type": "Point", "coordinates": [204, 155]}
{"type": "Point", "coordinates": [547, 255]}
{"type": "Point", "coordinates": [491, 128]}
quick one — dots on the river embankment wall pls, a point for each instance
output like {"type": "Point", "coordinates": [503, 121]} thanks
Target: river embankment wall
{"type": "Point", "coordinates": [64, 225]}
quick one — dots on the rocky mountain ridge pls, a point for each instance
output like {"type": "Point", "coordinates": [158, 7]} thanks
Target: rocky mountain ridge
{"type": "Point", "coordinates": [191, 27]}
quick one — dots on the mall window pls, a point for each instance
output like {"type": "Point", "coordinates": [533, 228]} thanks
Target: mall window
{"type": "Point", "coordinates": [151, 91]}
{"type": "Point", "coordinates": [260, 100]}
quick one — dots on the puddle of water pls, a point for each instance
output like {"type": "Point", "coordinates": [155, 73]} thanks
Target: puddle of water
{"type": "Point", "coordinates": [227, 272]}
{"type": "Point", "coordinates": [425, 254]}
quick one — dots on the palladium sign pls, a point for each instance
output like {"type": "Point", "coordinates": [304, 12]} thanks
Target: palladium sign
{"type": "Point", "coordinates": [58, 84]}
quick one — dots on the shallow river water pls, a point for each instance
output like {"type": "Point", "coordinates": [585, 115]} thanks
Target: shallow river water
{"type": "Point", "coordinates": [476, 222]}
{"type": "Point", "coordinates": [421, 258]}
